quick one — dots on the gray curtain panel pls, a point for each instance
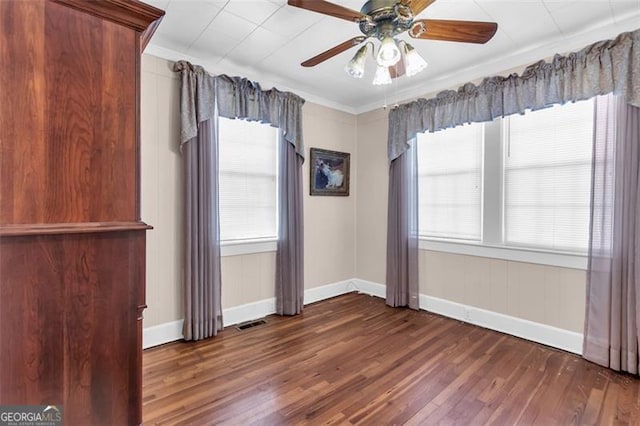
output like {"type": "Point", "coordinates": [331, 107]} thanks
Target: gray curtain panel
{"type": "Point", "coordinates": [402, 231]}
{"type": "Point", "coordinates": [613, 277]}
{"type": "Point", "coordinates": [204, 97]}
{"type": "Point", "coordinates": [611, 66]}
{"type": "Point", "coordinates": [202, 297]}
{"type": "Point", "coordinates": [290, 253]}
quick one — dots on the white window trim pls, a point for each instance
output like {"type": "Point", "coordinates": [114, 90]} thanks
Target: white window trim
{"type": "Point", "coordinates": [247, 243]}
{"type": "Point", "coordinates": [516, 254]}
{"type": "Point", "coordinates": [490, 245]}
{"type": "Point", "coordinates": [242, 247]}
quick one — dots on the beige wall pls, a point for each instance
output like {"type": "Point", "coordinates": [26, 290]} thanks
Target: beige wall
{"type": "Point", "coordinates": [373, 184]}
{"type": "Point", "coordinates": [329, 221]}
{"type": "Point", "coordinates": [247, 278]}
{"type": "Point", "coordinates": [161, 204]}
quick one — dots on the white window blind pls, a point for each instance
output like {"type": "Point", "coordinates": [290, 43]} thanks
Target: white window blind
{"type": "Point", "coordinates": [450, 182]}
{"type": "Point", "coordinates": [248, 180]}
{"type": "Point", "coordinates": [547, 177]}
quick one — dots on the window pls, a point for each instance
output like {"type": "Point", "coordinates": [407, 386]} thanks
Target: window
{"type": "Point", "coordinates": [547, 177]}
{"type": "Point", "coordinates": [247, 180]}
{"type": "Point", "coordinates": [523, 181]}
{"type": "Point", "coordinates": [450, 182]}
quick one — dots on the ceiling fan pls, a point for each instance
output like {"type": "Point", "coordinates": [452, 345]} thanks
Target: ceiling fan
{"type": "Point", "coordinates": [383, 20]}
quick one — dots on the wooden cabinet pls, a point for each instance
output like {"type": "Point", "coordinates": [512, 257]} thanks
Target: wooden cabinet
{"type": "Point", "coordinates": [72, 245]}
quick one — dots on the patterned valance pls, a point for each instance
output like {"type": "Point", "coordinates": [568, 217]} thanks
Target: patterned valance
{"type": "Point", "coordinates": [235, 97]}
{"type": "Point", "coordinates": [611, 66]}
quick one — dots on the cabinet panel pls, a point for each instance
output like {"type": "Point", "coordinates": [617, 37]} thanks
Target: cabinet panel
{"type": "Point", "coordinates": [68, 150]}
{"type": "Point", "coordinates": [23, 102]}
{"type": "Point", "coordinates": [70, 334]}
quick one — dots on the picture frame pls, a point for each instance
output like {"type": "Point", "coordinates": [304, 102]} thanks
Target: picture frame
{"type": "Point", "coordinates": [329, 172]}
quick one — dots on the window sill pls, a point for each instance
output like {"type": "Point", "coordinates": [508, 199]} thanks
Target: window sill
{"type": "Point", "coordinates": [240, 247]}
{"type": "Point", "coordinates": [516, 254]}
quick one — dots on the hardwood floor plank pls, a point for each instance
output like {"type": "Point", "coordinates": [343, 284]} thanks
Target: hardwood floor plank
{"type": "Point", "coordinates": [354, 360]}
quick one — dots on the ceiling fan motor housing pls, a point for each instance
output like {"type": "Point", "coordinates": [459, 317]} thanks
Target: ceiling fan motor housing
{"type": "Point", "coordinates": [385, 18]}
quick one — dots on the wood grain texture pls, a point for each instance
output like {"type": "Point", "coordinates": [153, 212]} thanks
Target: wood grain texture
{"type": "Point", "coordinates": [146, 35]}
{"type": "Point", "coordinates": [328, 8]}
{"type": "Point", "coordinates": [450, 30]}
{"type": "Point", "coordinates": [68, 144]}
{"type": "Point", "coordinates": [132, 14]}
{"type": "Point", "coordinates": [70, 332]}
{"type": "Point", "coordinates": [91, 130]}
{"type": "Point", "coordinates": [353, 360]}
{"type": "Point", "coordinates": [70, 228]}
{"type": "Point", "coordinates": [330, 53]}
{"type": "Point", "coordinates": [72, 246]}
{"type": "Point", "coordinates": [22, 111]}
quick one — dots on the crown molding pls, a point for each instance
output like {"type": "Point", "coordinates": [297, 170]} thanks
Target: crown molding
{"type": "Point", "coordinates": [265, 80]}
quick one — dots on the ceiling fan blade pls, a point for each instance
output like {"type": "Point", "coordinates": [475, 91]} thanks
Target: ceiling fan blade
{"type": "Point", "coordinates": [418, 6]}
{"type": "Point", "coordinates": [333, 51]}
{"type": "Point", "coordinates": [327, 8]}
{"type": "Point", "coordinates": [397, 70]}
{"type": "Point", "coordinates": [463, 31]}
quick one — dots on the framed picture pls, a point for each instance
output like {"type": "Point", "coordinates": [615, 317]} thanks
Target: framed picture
{"type": "Point", "coordinates": [329, 172]}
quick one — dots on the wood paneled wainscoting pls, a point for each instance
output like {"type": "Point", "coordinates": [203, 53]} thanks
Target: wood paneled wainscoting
{"type": "Point", "coordinates": [353, 360]}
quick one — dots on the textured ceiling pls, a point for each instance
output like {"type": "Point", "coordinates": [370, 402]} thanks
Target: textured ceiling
{"type": "Point", "coordinates": [265, 40]}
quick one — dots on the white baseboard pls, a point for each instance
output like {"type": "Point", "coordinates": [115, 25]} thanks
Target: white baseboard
{"type": "Point", "coordinates": [161, 334]}
{"type": "Point", "coordinates": [328, 291]}
{"type": "Point", "coordinates": [370, 288]}
{"type": "Point", "coordinates": [541, 333]}
{"type": "Point", "coordinates": [172, 331]}
{"type": "Point", "coordinates": [248, 312]}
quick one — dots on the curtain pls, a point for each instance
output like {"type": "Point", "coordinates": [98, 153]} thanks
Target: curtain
{"type": "Point", "coordinates": [204, 98]}
{"type": "Point", "coordinates": [290, 254]}
{"type": "Point", "coordinates": [611, 66]}
{"type": "Point", "coordinates": [402, 231]}
{"type": "Point", "coordinates": [202, 294]}
{"type": "Point", "coordinates": [613, 275]}
{"type": "Point", "coordinates": [204, 95]}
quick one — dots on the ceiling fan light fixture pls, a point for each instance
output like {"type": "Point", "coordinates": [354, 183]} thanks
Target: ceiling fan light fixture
{"type": "Point", "coordinates": [388, 54]}
{"type": "Point", "coordinates": [382, 76]}
{"type": "Point", "coordinates": [355, 67]}
{"type": "Point", "coordinates": [413, 62]}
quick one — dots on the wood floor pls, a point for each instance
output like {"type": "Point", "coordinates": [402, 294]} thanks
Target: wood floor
{"type": "Point", "coordinates": [352, 360]}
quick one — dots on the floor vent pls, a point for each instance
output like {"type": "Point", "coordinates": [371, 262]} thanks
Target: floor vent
{"type": "Point", "coordinates": [250, 324]}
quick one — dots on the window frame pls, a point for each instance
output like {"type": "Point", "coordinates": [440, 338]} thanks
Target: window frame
{"type": "Point", "coordinates": [422, 145]}
{"type": "Point", "coordinates": [491, 244]}
{"type": "Point", "coordinates": [237, 247]}
{"type": "Point", "coordinates": [241, 247]}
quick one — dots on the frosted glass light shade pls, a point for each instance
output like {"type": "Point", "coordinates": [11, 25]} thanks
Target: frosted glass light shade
{"type": "Point", "coordinates": [382, 76]}
{"type": "Point", "coordinates": [355, 67]}
{"type": "Point", "coordinates": [388, 54]}
{"type": "Point", "coordinates": [413, 62]}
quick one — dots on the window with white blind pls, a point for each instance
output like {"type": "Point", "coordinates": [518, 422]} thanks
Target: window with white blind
{"type": "Point", "coordinates": [450, 182]}
{"type": "Point", "coordinates": [520, 182]}
{"type": "Point", "coordinates": [248, 164]}
{"type": "Point", "coordinates": [547, 177]}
